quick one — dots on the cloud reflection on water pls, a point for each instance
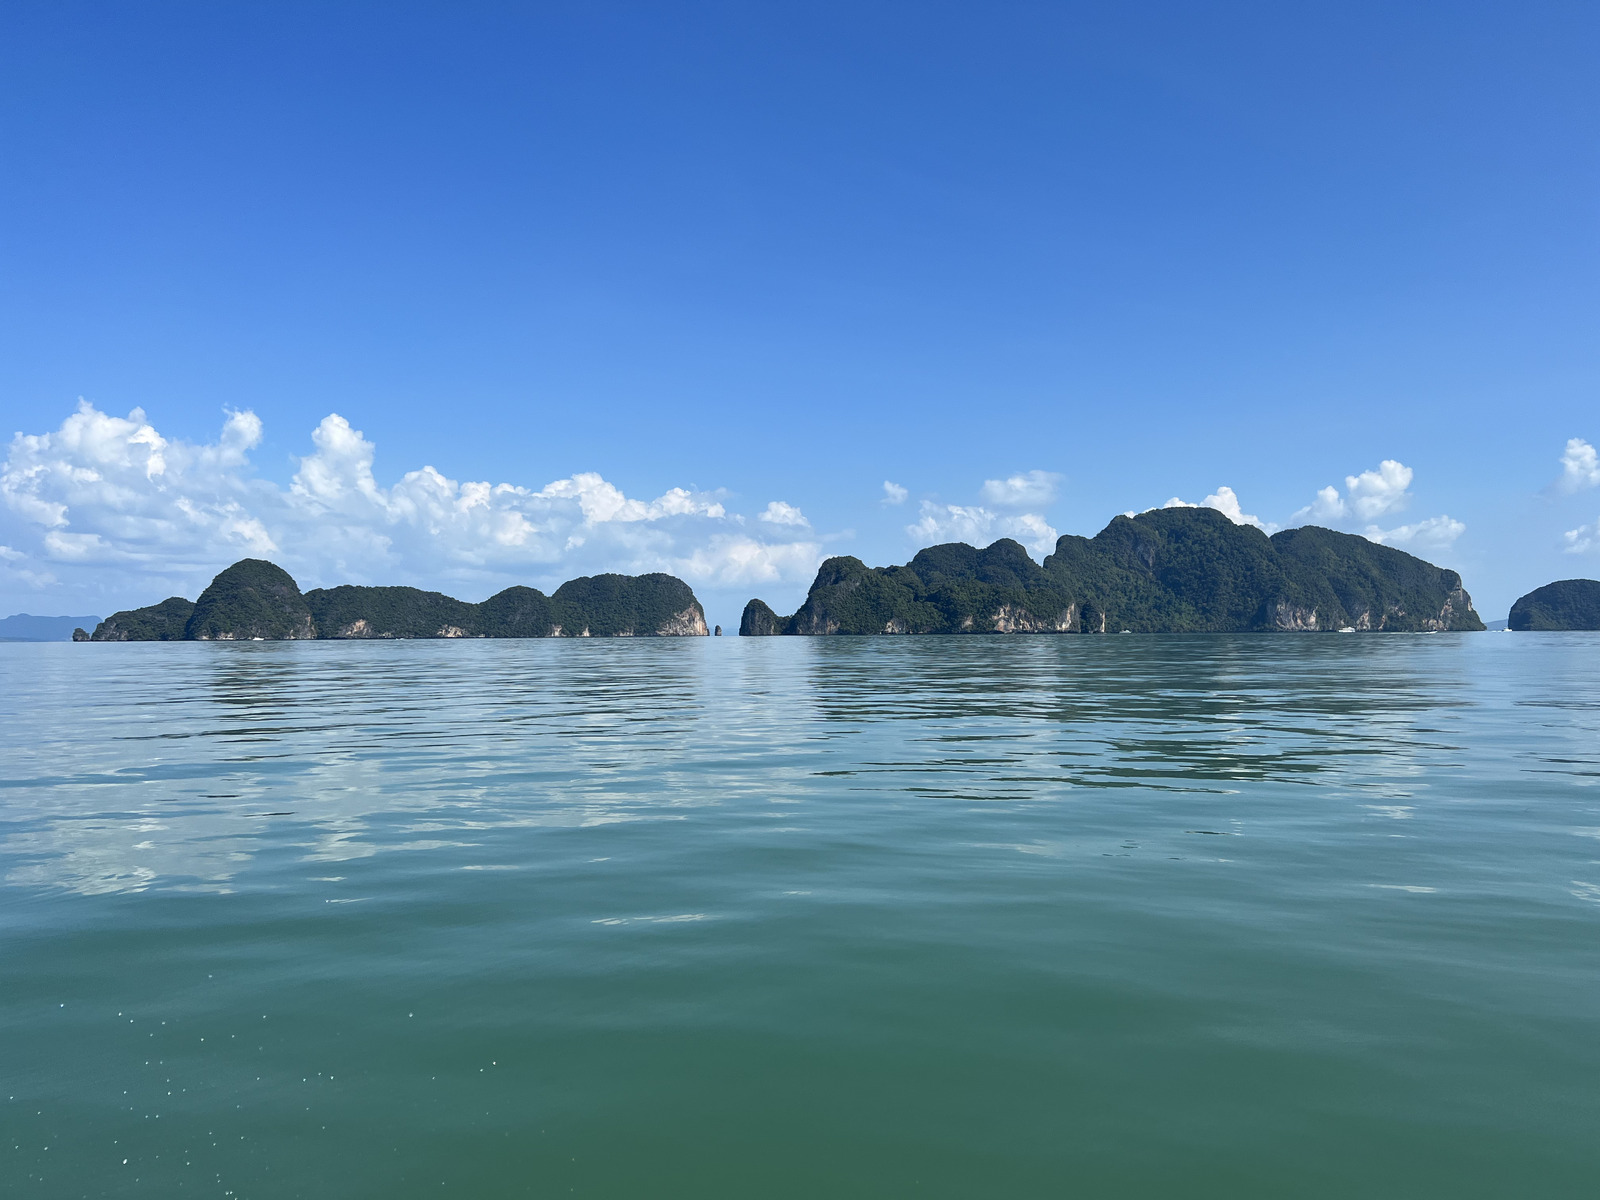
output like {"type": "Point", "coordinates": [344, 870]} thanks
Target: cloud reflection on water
{"type": "Point", "coordinates": [222, 767]}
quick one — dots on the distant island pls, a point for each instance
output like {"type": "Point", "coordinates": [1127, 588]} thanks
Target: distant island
{"type": "Point", "coordinates": [1564, 604]}
{"type": "Point", "coordinates": [258, 600]}
{"type": "Point", "coordinates": [1172, 570]}
{"type": "Point", "coordinates": [25, 627]}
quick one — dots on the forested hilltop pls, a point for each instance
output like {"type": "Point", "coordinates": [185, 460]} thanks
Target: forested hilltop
{"type": "Point", "coordinates": [256, 599]}
{"type": "Point", "coordinates": [1564, 604]}
{"type": "Point", "coordinates": [1170, 570]}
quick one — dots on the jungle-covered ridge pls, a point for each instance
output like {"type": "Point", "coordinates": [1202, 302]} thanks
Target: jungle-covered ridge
{"type": "Point", "coordinates": [1174, 570]}
{"type": "Point", "coordinates": [1566, 604]}
{"type": "Point", "coordinates": [258, 600]}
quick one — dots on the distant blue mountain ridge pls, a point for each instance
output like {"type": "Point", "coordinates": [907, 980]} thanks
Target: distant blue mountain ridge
{"type": "Point", "coordinates": [25, 627]}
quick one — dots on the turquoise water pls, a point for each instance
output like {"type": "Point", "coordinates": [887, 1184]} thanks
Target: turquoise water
{"type": "Point", "coordinates": [1138, 916]}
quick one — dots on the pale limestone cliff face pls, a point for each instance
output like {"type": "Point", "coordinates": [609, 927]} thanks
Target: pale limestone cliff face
{"type": "Point", "coordinates": [359, 628]}
{"type": "Point", "coordinates": [1294, 618]}
{"type": "Point", "coordinates": [303, 631]}
{"type": "Point", "coordinates": [1010, 619]}
{"type": "Point", "coordinates": [691, 622]}
{"type": "Point", "coordinates": [1456, 605]}
{"type": "Point", "coordinates": [813, 624]}
{"type": "Point", "coordinates": [451, 631]}
{"type": "Point", "coordinates": [895, 625]}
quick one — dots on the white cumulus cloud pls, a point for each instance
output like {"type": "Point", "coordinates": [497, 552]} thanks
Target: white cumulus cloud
{"type": "Point", "coordinates": [893, 493]}
{"type": "Point", "coordinates": [1371, 494]}
{"type": "Point", "coordinates": [779, 513]}
{"type": "Point", "coordinates": [1226, 502]}
{"type": "Point", "coordinates": [1367, 496]}
{"type": "Point", "coordinates": [978, 526]}
{"type": "Point", "coordinates": [107, 505]}
{"type": "Point", "coordinates": [1328, 508]}
{"type": "Point", "coordinates": [1580, 466]}
{"type": "Point", "coordinates": [1032, 489]}
{"type": "Point", "coordinates": [1583, 539]}
{"type": "Point", "coordinates": [1432, 536]}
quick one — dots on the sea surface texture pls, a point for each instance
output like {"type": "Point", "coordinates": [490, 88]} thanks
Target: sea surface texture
{"type": "Point", "coordinates": [1205, 916]}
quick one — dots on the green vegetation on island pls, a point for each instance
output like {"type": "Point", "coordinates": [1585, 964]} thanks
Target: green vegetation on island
{"type": "Point", "coordinates": [164, 622]}
{"type": "Point", "coordinates": [251, 600]}
{"type": "Point", "coordinates": [388, 612]}
{"type": "Point", "coordinates": [1175, 570]}
{"type": "Point", "coordinates": [1565, 604]}
{"type": "Point", "coordinates": [258, 600]}
{"type": "Point", "coordinates": [627, 606]}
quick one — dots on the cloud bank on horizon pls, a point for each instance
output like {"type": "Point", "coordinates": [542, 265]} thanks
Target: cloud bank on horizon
{"type": "Point", "coordinates": [108, 504]}
{"type": "Point", "coordinates": [110, 497]}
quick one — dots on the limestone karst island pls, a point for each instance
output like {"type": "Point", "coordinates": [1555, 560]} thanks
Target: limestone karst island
{"type": "Point", "coordinates": [1187, 570]}
{"type": "Point", "coordinates": [1170, 570]}
{"type": "Point", "coordinates": [258, 600]}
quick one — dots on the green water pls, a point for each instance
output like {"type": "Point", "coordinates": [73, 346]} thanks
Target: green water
{"type": "Point", "coordinates": [980, 917]}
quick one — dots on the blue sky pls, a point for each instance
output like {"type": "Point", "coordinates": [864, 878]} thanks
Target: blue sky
{"type": "Point", "coordinates": [1034, 264]}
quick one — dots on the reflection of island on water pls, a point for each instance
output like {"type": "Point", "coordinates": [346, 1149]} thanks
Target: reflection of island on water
{"type": "Point", "coordinates": [1172, 711]}
{"type": "Point", "coordinates": [187, 763]}
{"type": "Point", "coordinates": [220, 766]}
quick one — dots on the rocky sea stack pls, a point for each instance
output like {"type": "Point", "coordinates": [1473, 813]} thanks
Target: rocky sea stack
{"type": "Point", "coordinates": [1173, 570]}
{"type": "Point", "coordinates": [258, 600]}
{"type": "Point", "coordinates": [1565, 604]}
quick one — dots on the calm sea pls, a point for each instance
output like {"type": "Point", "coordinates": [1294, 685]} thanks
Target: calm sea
{"type": "Point", "coordinates": [967, 917]}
